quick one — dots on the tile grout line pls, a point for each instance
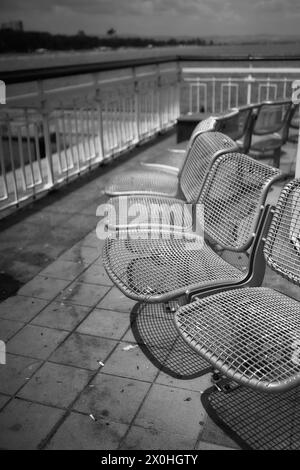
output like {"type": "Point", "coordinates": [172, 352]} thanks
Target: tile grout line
{"type": "Point", "coordinates": [43, 361]}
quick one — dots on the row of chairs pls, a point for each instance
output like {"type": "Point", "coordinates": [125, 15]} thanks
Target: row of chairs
{"type": "Point", "coordinates": [249, 333]}
{"type": "Point", "coordinates": [259, 129]}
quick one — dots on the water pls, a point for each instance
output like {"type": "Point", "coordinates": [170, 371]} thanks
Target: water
{"type": "Point", "coordinates": [51, 59]}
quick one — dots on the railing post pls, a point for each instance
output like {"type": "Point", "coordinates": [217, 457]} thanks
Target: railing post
{"type": "Point", "coordinates": [46, 132]}
{"type": "Point", "coordinates": [178, 89]}
{"type": "Point", "coordinates": [213, 98]}
{"type": "Point", "coordinates": [229, 93]}
{"type": "Point", "coordinates": [136, 105]}
{"type": "Point", "coordinates": [268, 88]}
{"type": "Point", "coordinates": [158, 104]}
{"type": "Point", "coordinates": [99, 116]}
{"type": "Point", "coordinates": [249, 80]}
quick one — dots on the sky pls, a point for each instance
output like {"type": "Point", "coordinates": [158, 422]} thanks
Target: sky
{"type": "Point", "coordinates": [157, 17]}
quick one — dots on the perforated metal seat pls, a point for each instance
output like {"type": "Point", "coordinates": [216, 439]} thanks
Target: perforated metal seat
{"type": "Point", "coordinates": [174, 161]}
{"type": "Point", "coordinates": [155, 269]}
{"type": "Point", "coordinates": [253, 334]}
{"type": "Point", "coordinates": [148, 211]}
{"type": "Point", "coordinates": [163, 266]}
{"type": "Point", "coordinates": [143, 181]}
{"type": "Point", "coordinates": [163, 183]}
{"type": "Point", "coordinates": [205, 149]}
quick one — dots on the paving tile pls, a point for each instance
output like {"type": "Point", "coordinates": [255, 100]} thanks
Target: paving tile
{"type": "Point", "coordinates": [3, 400]}
{"type": "Point", "coordinates": [132, 363]}
{"type": "Point", "coordinates": [8, 328]}
{"type": "Point", "coordinates": [36, 341]}
{"type": "Point", "coordinates": [140, 439]}
{"type": "Point", "coordinates": [112, 398]}
{"type": "Point", "coordinates": [80, 432]}
{"type": "Point", "coordinates": [83, 294]}
{"type": "Point", "coordinates": [198, 384]}
{"type": "Point", "coordinates": [83, 351]}
{"type": "Point", "coordinates": [210, 446]}
{"type": "Point", "coordinates": [61, 315]}
{"type": "Point", "coordinates": [81, 254]}
{"type": "Point", "coordinates": [40, 253]}
{"type": "Point", "coordinates": [42, 217]}
{"type": "Point", "coordinates": [105, 323]}
{"type": "Point", "coordinates": [24, 425]}
{"type": "Point", "coordinates": [96, 274]}
{"type": "Point", "coordinates": [99, 244]}
{"type": "Point", "coordinates": [55, 384]}
{"type": "Point", "coordinates": [116, 300]}
{"type": "Point", "coordinates": [85, 221]}
{"type": "Point", "coordinates": [67, 205]}
{"type": "Point", "coordinates": [16, 372]}
{"type": "Point", "coordinates": [21, 308]}
{"type": "Point", "coordinates": [129, 337]}
{"type": "Point", "coordinates": [62, 269]}
{"type": "Point", "coordinates": [213, 434]}
{"type": "Point", "coordinates": [20, 233]}
{"type": "Point", "coordinates": [91, 240]}
{"type": "Point", "coordinates": [172, 410]}
{"type": "Point", "coordinates": [21, 271]}
{"type": "Point", "coordinates": [43, 287]}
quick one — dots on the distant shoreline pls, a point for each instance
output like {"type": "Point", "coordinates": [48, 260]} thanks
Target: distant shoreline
{"type": "Point", "coordinates": [21, 61]}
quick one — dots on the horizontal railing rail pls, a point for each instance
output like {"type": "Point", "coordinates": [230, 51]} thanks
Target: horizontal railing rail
{"type": "Point", "coordinates": [220, 88]}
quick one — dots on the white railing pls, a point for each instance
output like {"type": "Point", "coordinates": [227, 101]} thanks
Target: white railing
{"type": "Point", "coordinates": [216, 89]}
{"type": "Point", "coordinates": [54, 130]}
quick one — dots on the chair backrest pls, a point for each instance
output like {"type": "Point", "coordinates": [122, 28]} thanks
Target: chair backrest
{"type": "Point", "coordinates": [282, 247]}
{"type": "Point", "coordinates": [271, 117]}
{"type": "Point", "coordinates": [238, 124]}
{"type": "Point", "coordinates": [295, 118]}
{"type": "Point", "coordinates": [204, 149]}
{"type": "Point", "coordinates": [228, 124]}
{"type": "Point", "coordinates": [232, 196]}
{"type": "Point", "coordinates": [205, 125]}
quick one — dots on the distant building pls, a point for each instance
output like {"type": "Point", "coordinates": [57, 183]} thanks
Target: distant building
{"type": "Point", "coordinates": [13, 25]}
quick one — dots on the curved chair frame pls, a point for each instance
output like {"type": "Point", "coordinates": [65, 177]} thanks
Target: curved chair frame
{"type": "Point", "coordinates": [253, 335]}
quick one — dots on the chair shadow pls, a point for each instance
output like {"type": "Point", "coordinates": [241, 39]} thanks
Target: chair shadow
{"type": "Point", "coordinates": [154, 330]}
{"type": "Point", "coordinates": [256, 420]}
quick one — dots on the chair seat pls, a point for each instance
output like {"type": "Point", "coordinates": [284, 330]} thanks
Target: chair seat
{"type": "Point", "coordinates": [145, 211]}
{"type": "Point", "coordinates": [266, 143]}
{"type": "Point", "coordinates": [156, 269]}
{"type": "Point", "coordinates": [173, 161]}
{"type": "Point", "coordinates": [251, 335]}
{"type": "Point", "coordinates": [295, 122]}
{"type": "Point", "coordinates": [143, 181]}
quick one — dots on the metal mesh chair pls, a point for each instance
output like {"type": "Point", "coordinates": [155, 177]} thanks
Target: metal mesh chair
{"type": "Point", "coordinates": [175, 161]}
{"type": "Point", "coordinates": [294, 124]}
{"type": "Point", "coordinates": [252, 335]}
{"type": "Point", "coordinates": [153, 266]}
{"type": "Point", "coordinates": [161, 182]}
{"type": "Point", "coordinates": [238, 125]}
{"type": "Point", "coordinates": [205, 149]}
{"type": "Point", "coordinates": [270, 130]}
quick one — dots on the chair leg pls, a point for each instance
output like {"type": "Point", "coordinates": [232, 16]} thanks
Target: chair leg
{"type": "Point", "coordinates": [276, 158]}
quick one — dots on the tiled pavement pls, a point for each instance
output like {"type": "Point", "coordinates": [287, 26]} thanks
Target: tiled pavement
{"type": "Point", "coordinates": [70, 382]}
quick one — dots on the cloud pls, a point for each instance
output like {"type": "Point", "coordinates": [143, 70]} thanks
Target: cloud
{"type": "Point", "coordinates": [158, 16]}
